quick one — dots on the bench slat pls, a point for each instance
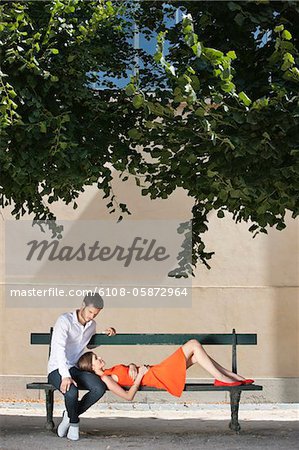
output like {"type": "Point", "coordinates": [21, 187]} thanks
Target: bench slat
{"type": "Point", "coordinates": [40, 338]}
{"type": "Point", "coordinates": [171, 339]}
{"type": "Point", "coordinates": [40, 385]}
{"type": "Point", "coordinates": [189, 387]}
{"type": "Point", "coordinates": [157, 339]}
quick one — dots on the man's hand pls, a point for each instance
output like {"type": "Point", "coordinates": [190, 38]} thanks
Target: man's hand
{"type": "Point", "coordinates": [133, 371]}
{"type": "Point", "coordinates": [66, 384]}
{"type": "Point", "coordinates": [110, 331]}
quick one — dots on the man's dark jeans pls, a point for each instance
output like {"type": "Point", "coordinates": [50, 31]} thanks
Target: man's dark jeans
{"type": "Point", "coordinates": [85, 380]}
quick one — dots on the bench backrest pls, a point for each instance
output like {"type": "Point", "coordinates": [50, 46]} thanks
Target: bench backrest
{"type": "Point", "coordinates": [232, 339]}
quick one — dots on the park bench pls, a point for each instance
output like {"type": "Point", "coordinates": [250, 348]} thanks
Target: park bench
{"type": "Point", "coordinates": [233, 339]}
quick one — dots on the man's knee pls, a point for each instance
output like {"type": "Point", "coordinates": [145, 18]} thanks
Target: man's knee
{"type": "Point", "coordinates": [55, 379]}
{"type": "Point", "coordinates": [72, 393]}
{"type": "Point", "coordinates": [99, 390]}
{"type": "Point", "coordinates": [96, 387]}
{"type": "Point", "coordinates": [89, 381]}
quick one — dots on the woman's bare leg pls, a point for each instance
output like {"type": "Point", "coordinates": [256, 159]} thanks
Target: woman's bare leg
{"type": "Point", "coordinates": [227, 372]}
{"type": "Point", "coordinates": [195, 353]}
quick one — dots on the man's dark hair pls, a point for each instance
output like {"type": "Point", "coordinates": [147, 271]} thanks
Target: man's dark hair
{"type": "Point", "coordinates": [94, 300]}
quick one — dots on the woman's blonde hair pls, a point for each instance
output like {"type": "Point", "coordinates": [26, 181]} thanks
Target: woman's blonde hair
{"type": "Point", "coordinates": [85, 362]}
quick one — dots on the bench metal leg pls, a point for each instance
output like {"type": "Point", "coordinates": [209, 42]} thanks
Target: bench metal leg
{"type": "Point", "coordinates": [235, 395]}
{"type": "Point", "coordinates": [49, 407]}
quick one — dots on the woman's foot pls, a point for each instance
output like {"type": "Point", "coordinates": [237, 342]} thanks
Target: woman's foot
{"type": "Point", "coordinates": [233, 383]}
{"type": "Point", "coordinates": [247, 381]}
{"type": "Point", "coordinates": [228, 379]}
{"type": "Point", "coordinates": [235, 376]}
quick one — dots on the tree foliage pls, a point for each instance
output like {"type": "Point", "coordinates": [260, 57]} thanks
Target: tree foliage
{"type": "Point", "coordinates": [215, 109]}
{"type": "Point", "coordinates": [56, 134]}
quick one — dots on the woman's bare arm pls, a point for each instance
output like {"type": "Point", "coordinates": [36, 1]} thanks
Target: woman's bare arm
{"type": "Point", "coordinates": [114, 387]}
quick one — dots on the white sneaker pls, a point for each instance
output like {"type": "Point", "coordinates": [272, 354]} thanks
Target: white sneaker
{"type": "Point", "coordinates": [64, 425]}
{"type": "Point", "coordinates": [73, 433]}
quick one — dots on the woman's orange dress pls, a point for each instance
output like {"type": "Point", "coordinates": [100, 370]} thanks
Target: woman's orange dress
{"type": "Point", "coordinates": [170, 374]}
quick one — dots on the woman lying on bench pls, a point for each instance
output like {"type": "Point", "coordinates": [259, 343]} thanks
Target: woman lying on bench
{"type": "Point", "coordinates": [170, 374]}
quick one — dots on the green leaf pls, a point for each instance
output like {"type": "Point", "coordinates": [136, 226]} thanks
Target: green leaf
{"type": "Point", "coordinates": [286, 35]}
{"type": "Point", "coordinates": [235, 193]}
{"type": "Point", "coordinates": [220, 214]}
{"type": "Point", "coordinates": [43, 127]}
{"type": "Point", "coordinates": [266, 135]}
{"type": "Point", "coordinates": [244, 98]}
{"type": "Point", "coordinates": [134, 134]}
{"type": "Point", "coordinates": [288, 61]}
{"type": "Point", "coordinates": [295, 73]}
{"type": "Point", "coordinates": [190, 39]}
{"type": "Point", "coordinates": [157, 57]}
{"type": "Point", "coordinates": [239, 19]}
{"type": "Point", "coordinates": [232, 54]}
{"type": "Point", "coordinates": [228, 86]}
{"type": "Point", "coordinates": [55, 51]}
{"type": "Point", "coordinates": [233, 6]}
{"type": "Point", "coordinates": [170, 68]}
{"type": "Point", "coordinates": [191, 70]}
{"type": "Point", "coordinates": [253, 228]}
{"type": "Point", "coordinates": [213, 54]}
{"type": "Point", "coordinates": [192, 158]}
{"type": "Point", "coordinates": [65, 118]}
{"type": "Point", "coordinates": [195, 82]}
{"type": "Point", "coordinates": [188, 29]}
{"type": "Point", "coordinates": [130, 89]}
{"type": "Point", "coordinates": [280, 226]}
{"type": "Point", "coordinates": [261, 103]}
{"type": "Point", "coordinates": [279, 28]}
{"type": "Point", "coordinates": [226, 74]}
{"type": "Point", "coordinates": [197, 49]}
{"type": "Point", "coordinates": [200, 112]}
{"type": "Point", "coordinates": [138, 101]}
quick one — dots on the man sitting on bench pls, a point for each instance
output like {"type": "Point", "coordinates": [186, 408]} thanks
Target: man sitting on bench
{"type": "Point", "coordinates": [71, 334]}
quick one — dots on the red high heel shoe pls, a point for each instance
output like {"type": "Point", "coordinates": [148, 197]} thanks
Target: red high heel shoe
{"type": "Point", "coordinates": [248, 381]}
{"type": "Point", "coordinates": [222, 383]}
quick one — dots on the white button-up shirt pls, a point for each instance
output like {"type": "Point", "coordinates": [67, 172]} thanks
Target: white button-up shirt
{"type": "Point", "coordinates": [69, 340]}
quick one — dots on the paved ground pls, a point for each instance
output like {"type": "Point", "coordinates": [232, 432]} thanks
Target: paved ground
{"type": "Point", "coordinates": [162, 430]}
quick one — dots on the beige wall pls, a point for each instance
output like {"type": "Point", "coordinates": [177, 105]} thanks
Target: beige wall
{"type": "Point", "coordinates": [252, 286]}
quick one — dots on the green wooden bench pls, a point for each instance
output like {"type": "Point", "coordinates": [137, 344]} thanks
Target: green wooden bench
{"type": "Point", "coordinates": [233, 339]}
